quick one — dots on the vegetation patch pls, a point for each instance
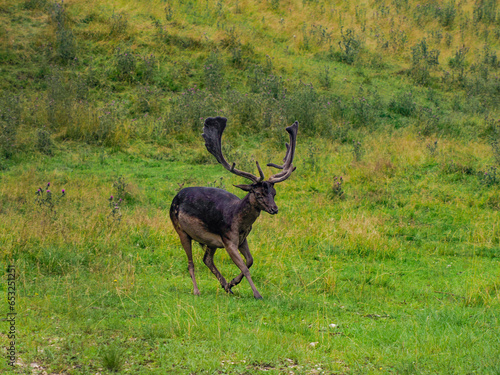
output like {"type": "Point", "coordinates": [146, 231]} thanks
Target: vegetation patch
{"type": "Point", "coordinates": [384, 255]}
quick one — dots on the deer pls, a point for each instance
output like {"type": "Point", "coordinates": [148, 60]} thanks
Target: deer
{"type": "Point", "coordinates": [218, 219]}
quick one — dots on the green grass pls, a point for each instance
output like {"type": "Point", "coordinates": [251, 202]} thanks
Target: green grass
{"type": "Point", "coordinates": [394, 270]}
{"type": "Point", "coordinates": [405, 267]}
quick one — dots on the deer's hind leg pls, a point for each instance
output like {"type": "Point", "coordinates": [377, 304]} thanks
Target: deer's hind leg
{"type": "Point", "coordinates": [186, 244]}
{"type": "Point", "coordinates": [208, 259]}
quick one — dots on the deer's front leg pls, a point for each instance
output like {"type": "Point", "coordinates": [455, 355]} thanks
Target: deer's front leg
{"type": "Point", "coordinates": [232, 250]}
{"type": "Point", "coordinates": [208, 259]}
{"type": "Point", "coordinates": [245, 251]}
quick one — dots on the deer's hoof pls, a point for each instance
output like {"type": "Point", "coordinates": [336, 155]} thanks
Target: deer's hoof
{"type": "Point", "coordinates": [258, 297]}
{"type": "Point", "coordinates": [227, 288]}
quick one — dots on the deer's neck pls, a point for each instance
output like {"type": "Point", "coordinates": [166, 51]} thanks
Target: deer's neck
{"type": "Point", "coordinates": [248, 211]}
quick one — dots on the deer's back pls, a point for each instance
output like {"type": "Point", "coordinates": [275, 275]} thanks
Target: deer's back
{"type": "Point", "coordinates": [196, 209]}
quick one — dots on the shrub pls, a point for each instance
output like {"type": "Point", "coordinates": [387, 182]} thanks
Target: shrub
{"type": "Point", "coordinates": [65, 40]}
{"type": "Point", "coordinates": [57, 14]}
{"type": "Point", "coordinates": [118, 24]}
{"type": "Point", "coordinates": [364, 107]}
{"type": "Point", "coordinates": [458, 59]}
{"type": "Point", "coordinates": [189, 109]}
{"type": "Point", "coordinates": [490, 176]}
{"type": "Point", "coordinates": [125, 65]}
{"type": "Point", "coordinates": [495, 140]}
{"type": "Point", "coordinates": [357, 150]}
{"type": "Point", "coordinates": [35, 4]}
{"type": "Point", "coordinates": [350, 45]}
{"type": "Point", "coordinates": [266, 83]}
{"type": "Point", "coordinates": [60, 100]}
{"type": "Point", "coordinates": [324, 77]}
{"type": "Point", "coordinates": [423, 61]}
{"type": "Point", "coordinates": [302, 104]}
{"type": "Point", "coordinates": [429, 120]}
{"type": "Point", "coordinates": [10, 119]}
{"type": "Point", "coordinates": [146, 100]}
{"type": "Point", "coordinates": [337, 191]}
{"type": "Point", "coordinates": [169, 13]}
{"type": "Point", "coordinates": [458, 64]}
{"type": "Point", "coordinates": [311, 158]}
{"type": "Point", "coordinates": [432, 148]}
{"type": "Point", "coordinates": [104, 132]}
{"type": "Point", "coordinates": [146, 69]}
{"type": "Point", "coordinates": [403, 104]}
{"type": "Point", "coordinates": [65, 44]}
{"type": "Point", "coordinates": [446, 14]}
{"type": "Point", "coordinates": [214, 78]}
{"type": "Point", "coordinates": [44, 142]}
{"type": "Point", "coordinates": [485, 11]}
{"type": "Point", "coordinates": [46, 199]}
{"type": "Point", "coordinates": [342, 131]}
{"type": "Point", "coordinates": [246, 108]}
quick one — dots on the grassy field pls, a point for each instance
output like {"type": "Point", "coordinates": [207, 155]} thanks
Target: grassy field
{"type": "Point", "coordinates": [399, 274]}
{"type": "Point", "coordinates": [384, 257]}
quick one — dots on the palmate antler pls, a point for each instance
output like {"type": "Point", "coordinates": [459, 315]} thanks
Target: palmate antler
{"type": "Point", "coordinates": [287, 167]}
{"type": "Point", "coordinates": [212, 133]}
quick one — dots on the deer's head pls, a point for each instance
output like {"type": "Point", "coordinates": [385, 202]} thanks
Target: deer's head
{"type": "Point", "coordinates": [262, 191]}
{"type": "Point", "coordinates": [263, 194]}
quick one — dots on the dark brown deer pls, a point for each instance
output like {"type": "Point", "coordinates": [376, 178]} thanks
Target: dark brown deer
{"type": "Point", "coordinates": [218, 219]}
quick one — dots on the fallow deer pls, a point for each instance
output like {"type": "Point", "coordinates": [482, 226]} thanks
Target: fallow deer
{"type": "Point", "coordinates": [218, 219]}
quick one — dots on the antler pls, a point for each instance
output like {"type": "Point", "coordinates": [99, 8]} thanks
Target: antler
{"type": "Point", "coordinates": [212, 133]}
{"type": "Point", "coordinates": [287, 167]}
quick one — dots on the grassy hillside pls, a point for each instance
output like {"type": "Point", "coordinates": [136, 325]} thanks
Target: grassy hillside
{"type": "Point", "coordinates": [384, 257]}
{"type": "Point", "coordinates": [110, 73]}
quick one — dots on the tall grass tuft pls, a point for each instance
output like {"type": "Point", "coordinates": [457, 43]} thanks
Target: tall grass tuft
{"type": "Point", "coordinates": [113, 357]}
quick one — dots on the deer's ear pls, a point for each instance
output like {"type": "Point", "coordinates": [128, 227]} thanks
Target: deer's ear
{"type": "Point", "coordinates": [244, 187]}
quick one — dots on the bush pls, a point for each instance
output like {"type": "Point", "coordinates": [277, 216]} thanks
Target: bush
{"type": "Point", "coordinates": [337, 191]}
{"type": "Point", "coordinates": [423, 61]}
{"type": "Point", "coordinates": [403, 104]}
{"type": "Point", "coordinates": [118, 24]}
{"type": "Point", "coordinates": [446, 14]}
{"type": "Point", "coordinates": [263, 81]}
{"type": "Point", "coordinates": [60, 100]}
{"type": "Point", "coordinates": [485, 11]}
{"type": "Point", "coordinates": [35, 4]}
{"type": "Point", "coordinates": [189, 109]}
{"type": "Point", "coordinates": [246, 108]}
{"type": "Point", "coordinates": [302, 104]}
{"type": "Point", "coordinates": [65, 44]}
{"type": "Point", "coordinates": [324, 77]}
{"type": "Point", "coordinates": [44, 143]}
{"type": "Point", "coordinates": [10, 119]}
{"type": "Point", "coordinates": [364, 107]}
{"type": "Point", "coordinates": [214, 76]}
{"type": "Point", "coordinates": [125, 65]}
{"type": "Point", "coordinates": [350, 46]}
{"type": "Point", "coordinates": [146, 100]}
{"type": "Point", "coordinates": [65, 40]}
{"type": "Point", "coordinates": [107, 124]}
{"type": "Point", "coordinates": [458, 64]}
{"type": "Point", "coordinates": [146, 69]}
{"type": "Point", "coordinates": [495, 140]}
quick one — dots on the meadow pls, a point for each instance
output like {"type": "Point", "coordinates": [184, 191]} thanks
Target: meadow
{"type": "Point", "coordinates": [384, 257]}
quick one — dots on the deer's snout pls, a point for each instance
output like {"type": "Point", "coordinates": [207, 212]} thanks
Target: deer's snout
{"type": "Point", "coordinates": [273, 210]}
